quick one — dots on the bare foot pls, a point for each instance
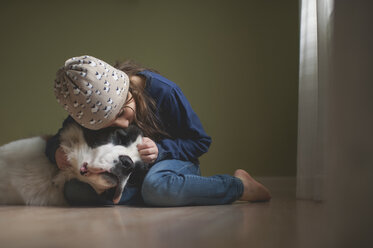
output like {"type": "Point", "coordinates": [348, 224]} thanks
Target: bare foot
{"type": "Point", "coordinates": [253, 190]}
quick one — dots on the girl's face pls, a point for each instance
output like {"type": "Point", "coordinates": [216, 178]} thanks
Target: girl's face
{"type": "Point", "coordinates": [126, 115]}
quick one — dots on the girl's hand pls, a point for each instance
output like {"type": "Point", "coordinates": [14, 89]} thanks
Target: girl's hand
{"type": "Point", "coordinates": [61, 159]}
{"type": "Point", "coordinates": [148, 150]}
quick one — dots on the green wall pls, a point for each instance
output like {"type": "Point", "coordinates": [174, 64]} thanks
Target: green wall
{"type": "Point", "coordinates": [236, 61]}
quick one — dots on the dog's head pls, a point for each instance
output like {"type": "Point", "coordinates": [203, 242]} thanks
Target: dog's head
{"type": "Point", "coordinates": [103, 158]}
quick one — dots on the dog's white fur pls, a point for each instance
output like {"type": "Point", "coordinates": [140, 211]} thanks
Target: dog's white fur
{"type": "Point", "coordinates": [27, 177]}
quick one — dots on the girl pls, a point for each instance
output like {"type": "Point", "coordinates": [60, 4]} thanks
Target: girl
{"type": "Point", "coordinates": [173, 140]}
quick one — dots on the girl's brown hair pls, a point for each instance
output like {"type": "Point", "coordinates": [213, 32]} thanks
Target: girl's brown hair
{"type": "Point", "coordinates": [145, 115]}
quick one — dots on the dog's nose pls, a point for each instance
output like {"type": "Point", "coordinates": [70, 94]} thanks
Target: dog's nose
{"type": "Point", "coordinates": [125, 161]}
{"type": "Point", "coordinates": [123, 167]}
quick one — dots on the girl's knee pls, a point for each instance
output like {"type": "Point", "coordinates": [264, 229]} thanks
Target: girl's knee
{"type": "Point", "coordinates": [159, 190]}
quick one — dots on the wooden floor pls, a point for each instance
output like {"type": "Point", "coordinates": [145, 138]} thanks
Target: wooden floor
{"type": "Point", "coordinates": [282, 222]}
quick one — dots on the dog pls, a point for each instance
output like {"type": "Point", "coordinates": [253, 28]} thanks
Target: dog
{"type": "Point", "coordinates": [105, 159]}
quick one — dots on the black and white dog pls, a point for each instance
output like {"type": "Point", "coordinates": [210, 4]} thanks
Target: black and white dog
{"type": "Point", "coordinates": [104, 159]}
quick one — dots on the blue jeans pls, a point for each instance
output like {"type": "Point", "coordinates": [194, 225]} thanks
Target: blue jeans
{"type": "Point", "coordinates": [168, 183]}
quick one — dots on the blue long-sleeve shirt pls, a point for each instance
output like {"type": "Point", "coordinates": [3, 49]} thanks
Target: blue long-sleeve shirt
{"type": "Point", "coordinates": [188, 139]}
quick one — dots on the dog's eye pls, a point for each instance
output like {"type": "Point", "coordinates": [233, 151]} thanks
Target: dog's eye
{"type": "Point", "coordinates": [115, 161]}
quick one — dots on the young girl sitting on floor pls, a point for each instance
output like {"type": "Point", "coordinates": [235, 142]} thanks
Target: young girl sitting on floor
{"type": "Point", "coordinates": [173, 140]}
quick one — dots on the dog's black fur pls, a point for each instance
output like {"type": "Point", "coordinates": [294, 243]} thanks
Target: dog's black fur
{"type": "Point", "coordinates": [123, 137]}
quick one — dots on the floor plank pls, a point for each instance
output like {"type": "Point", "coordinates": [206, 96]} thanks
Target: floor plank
{"type": "Point", "coordinates": [277, 223]}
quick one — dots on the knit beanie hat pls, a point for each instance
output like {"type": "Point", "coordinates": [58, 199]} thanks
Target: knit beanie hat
{"type": "Point", "coordinates": [91, 91]}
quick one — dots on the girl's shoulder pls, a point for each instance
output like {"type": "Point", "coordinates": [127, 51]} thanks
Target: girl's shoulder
{"type": "Point", "coordinates": [157, 82]}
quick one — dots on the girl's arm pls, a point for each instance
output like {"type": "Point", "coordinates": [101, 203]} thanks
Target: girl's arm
{"type": "Point", "coordinates": [182, 122]}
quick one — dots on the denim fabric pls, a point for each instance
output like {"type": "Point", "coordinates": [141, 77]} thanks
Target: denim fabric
{"type": "Point", "coordinates": [179, 183]}
{"type": "Point", "coordinates": [168, 183]}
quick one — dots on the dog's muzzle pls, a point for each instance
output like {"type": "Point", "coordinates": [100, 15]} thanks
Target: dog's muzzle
{"type": "Point", "coordinates": [118, 175]}
{"type": "Point", "coordinates": [122, 170]}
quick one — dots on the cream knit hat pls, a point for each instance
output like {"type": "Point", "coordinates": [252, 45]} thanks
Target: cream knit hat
{"type": "Point", "coordinates": [91, 91]}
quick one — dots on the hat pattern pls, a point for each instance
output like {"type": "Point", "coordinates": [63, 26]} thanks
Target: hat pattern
{"type": "Point", "coordinates": [91, 91]}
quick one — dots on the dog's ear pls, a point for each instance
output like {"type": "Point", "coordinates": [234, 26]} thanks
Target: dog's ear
{"type": "Point", "coordinates": [120, 137]}
{"type": "Point", "coordinates": [133, 131]}
{"type": "Point", "coordinates": [126, 136]}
